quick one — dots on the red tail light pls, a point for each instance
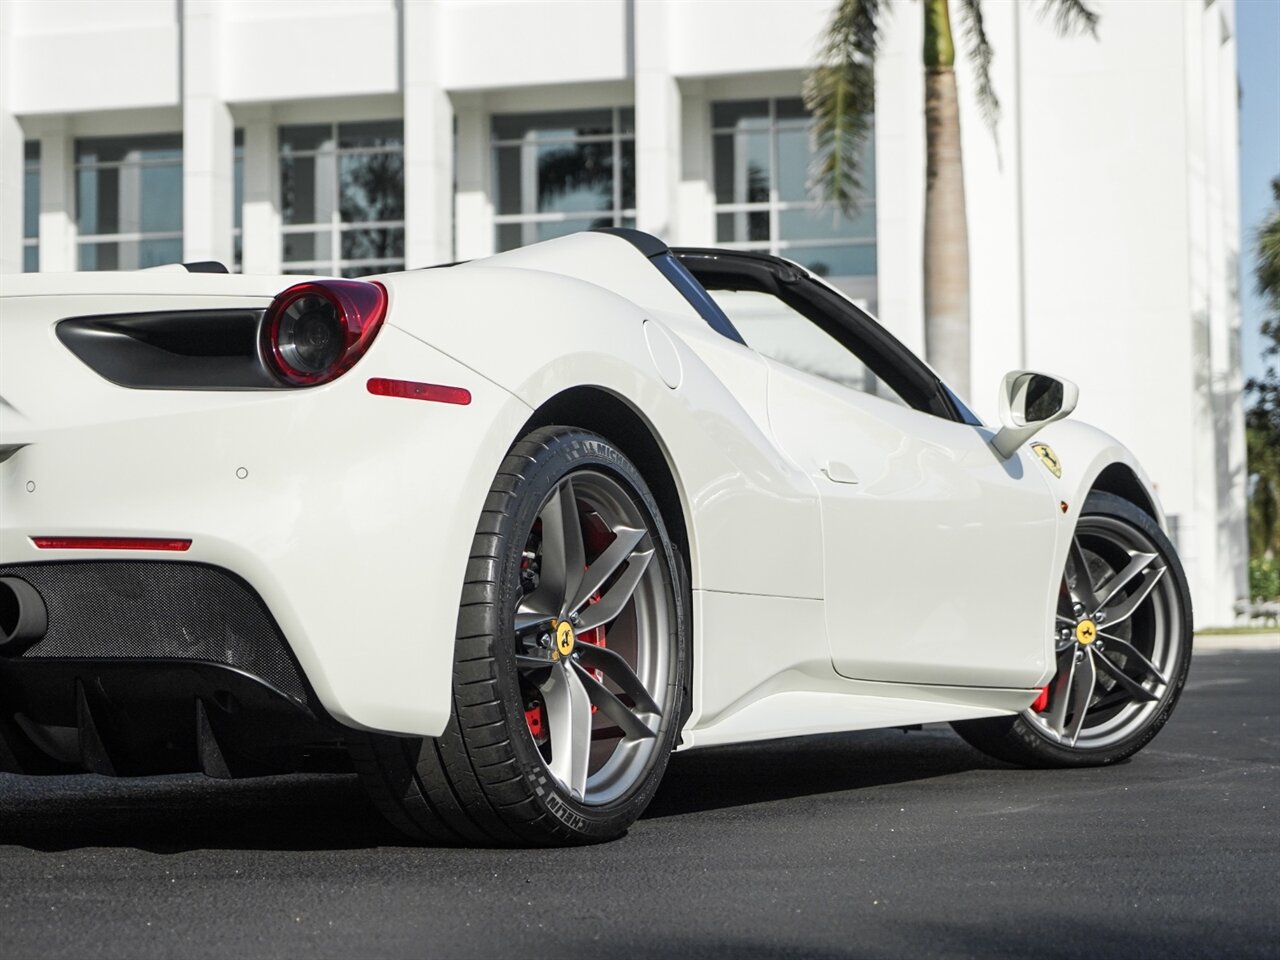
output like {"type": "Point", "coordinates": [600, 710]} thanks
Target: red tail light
{"type": "Point", "coordinates": [315, 332]}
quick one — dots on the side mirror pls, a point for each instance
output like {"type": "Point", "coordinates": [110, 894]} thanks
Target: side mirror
{"type": "Point", "coordinates": [1028, 402]}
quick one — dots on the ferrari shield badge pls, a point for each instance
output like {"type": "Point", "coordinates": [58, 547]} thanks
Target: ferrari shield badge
{"type": "Point", "coordinates": [1048, 458]}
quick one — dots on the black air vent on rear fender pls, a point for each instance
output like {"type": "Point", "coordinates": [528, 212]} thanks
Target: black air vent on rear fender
{"type": "Point", "coordinates": [172, 350]}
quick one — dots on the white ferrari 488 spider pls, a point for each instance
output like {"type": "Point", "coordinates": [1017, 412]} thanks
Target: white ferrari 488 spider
{"type": "Point", "coordinates": [499, 536]}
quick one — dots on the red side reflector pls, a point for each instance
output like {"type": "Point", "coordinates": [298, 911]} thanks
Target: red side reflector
{"type": "Point", "coordinates": [413, 390]}
{"type": "Point", "coordinates": [109, 543]}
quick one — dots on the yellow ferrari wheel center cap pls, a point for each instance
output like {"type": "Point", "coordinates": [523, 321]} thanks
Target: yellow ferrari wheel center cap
{"type": "Point", "coordinates": [1086, 632]}
{"type": "Point", "coordinates": [564, 638]}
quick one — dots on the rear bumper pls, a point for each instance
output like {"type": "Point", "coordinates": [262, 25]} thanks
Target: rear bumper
{"type": "Point", "coordinates": [350, 515]}
{"type": "Point", "coordinates": [148, 667]}
{"type": "Point", "coordinates": [142, 717]}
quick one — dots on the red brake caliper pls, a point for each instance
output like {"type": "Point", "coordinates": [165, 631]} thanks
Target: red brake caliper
{"type": "Point", "coordinates": [1039, 704]}
{"type": "Point", "coordinates": [533, 717]}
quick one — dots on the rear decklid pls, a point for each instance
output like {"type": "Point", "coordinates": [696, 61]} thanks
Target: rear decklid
{"type": "Point", "coordinates": [45, 386]}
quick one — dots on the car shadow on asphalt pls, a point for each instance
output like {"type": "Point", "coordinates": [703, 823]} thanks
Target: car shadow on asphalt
{"type": "Point", "coordinates": [721, 777]}
{"type": "Point", "coordinates": [177, 814]}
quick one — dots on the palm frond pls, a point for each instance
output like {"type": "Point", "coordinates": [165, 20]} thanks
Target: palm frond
{"type": "Point", "coordinates": [841, 98]}
{"type": "Point", "coordinates": [1072, 16]}
{"type": "Point", "coordinates": [980, 52]}
{"type": "Point", "coordinates": [840, 94]}
{"type": "Point", "coordinates": [1267, 252]}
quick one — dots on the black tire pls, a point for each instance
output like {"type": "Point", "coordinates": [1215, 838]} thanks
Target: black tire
{"type": "Point", "coordinates": [1159, 629]}
{"type": "Point", "coordinates": [486, 780]}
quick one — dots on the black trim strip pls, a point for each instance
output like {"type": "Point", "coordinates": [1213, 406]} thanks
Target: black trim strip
{"type": "Point", "coordinates": [172, 350]}
{"type": "Point", "coordinates": [886, 356]}
{"type": "Point", "coordinates": [679, 277]}
{"type": "Point", "coordinates": [206, 266]}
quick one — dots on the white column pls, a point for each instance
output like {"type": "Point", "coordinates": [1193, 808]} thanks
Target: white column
{"type": "Point", "coordinates": [1233, 466]}
{"type": "Point", "coordinates": [260, 219]}
{"type": "Point", "coordinates": [207, 138]}
{"type": "Point", "coordinates": [428, 140]}
{"type": "Point", "coordinates": [130, 206]}
{"type": "Point", "coordinates": [11, 180]}
{"type": "Point", "coordinates": [474, 200]}
{"type": "Point", "coordinates": [10, 159]}
{"type": "Point", "coordinates": [657, 121]}
{"type": "Point", "coordinates": [57, 200]}
{"type": "Point", "coordinates": [1230, 514]}
{"type": "Point", "coordinates": [695, 196]}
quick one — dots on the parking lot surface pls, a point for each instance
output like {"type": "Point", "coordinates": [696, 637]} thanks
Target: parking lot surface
{"type": "Point", "coordinates": [853, 845]}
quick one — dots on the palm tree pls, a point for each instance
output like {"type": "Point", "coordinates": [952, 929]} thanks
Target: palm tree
{"type": "Point", "coordinates": [840, 93]}
{"type": "Point", "coordinates": [1262, 421]}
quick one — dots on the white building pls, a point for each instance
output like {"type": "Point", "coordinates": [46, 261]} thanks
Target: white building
{"type": "Point", "coordinates": [362, 135]}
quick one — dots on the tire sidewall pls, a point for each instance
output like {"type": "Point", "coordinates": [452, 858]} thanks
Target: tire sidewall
{"type": "Point", "coordinates": [566, 453]}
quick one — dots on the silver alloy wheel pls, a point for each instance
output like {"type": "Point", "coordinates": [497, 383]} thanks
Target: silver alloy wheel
{"type": "Point", "coordinates": [591, 568]}
{"type": "Point", "coordinates": [1118, 638]}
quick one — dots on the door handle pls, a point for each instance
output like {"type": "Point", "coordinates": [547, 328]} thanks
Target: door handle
{"type": "Point", "coordinates": [838, 472]}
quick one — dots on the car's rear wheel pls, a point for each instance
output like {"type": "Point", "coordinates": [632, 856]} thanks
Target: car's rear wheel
{"type": "Point", "coordinates": [570, 664]}
{"type": "Point", "coordinates": [1122, 642]}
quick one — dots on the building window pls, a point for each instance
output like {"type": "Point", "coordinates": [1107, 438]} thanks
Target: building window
{"type": "Point", "coordinates": [557, 173]}
{"type": "Point", "coordinates": [342, 198]}
{"type": "Point", "coordinates": [761, 157]}
{"type": "Point", "coordinates": [237, 203]}
{"type": "Point", "coordinates": [31, 206]}
{"type": "Point", "coordinates": [129, 201]}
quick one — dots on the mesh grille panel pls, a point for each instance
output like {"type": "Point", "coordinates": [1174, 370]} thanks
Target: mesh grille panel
{"type": "Point", "coordinates": [139, 610]}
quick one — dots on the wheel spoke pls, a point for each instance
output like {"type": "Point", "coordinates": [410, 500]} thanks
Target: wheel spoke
{"type": "Point", "coordinates": [1129, 650]}
{"type": "Point", "coordinates": [1078, 579]}
{"type": "Point", "coordinates": [563, 554]}
{"type": "Point", "coordinates": [613, 557]}
{"type": "Point", "coordinates": [1125, 608]}
{"type": "Point", "coordinates": [529, 621]}
{"type": "Point", "coordinates": [613, 666]}
{"type": "Point", "coordinates": [534, 661]}
{"type": "Point", "coordinates": [613, 708]}
{"type": "Point", "coordinates": [569, 717]}
{"type": "Point", "coordinates": [1136, 689]}
{"type": "Point", "coordinates": [1115, 698]}
{"type": "Point", "coordinates": [1082, 684]}
{"type": "Point", "coordinates": [615, 599]}
{"type": "Point", "coordinates": [1137, 563]}
{"type": "Point", "coordinates": [1057, 718]}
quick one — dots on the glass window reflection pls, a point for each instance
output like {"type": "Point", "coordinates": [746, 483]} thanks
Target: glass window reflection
{"type": "Point", "coordinates": [762, 161]}
{"type": "Point", "coordinates": [342, 197]}
{"type": "Point", "coordinates": [555, 173]}
{"type": "Point", "coordinates": [31, 206]}
{"type": "Point", "coordinates": [128, 201]}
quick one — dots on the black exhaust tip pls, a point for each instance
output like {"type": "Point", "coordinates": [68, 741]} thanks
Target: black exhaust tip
{"type": "Point", "coordinates": [23, 617]}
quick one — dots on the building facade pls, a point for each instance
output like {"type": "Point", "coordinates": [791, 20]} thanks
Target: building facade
{"type": "Point", "coordinates": [357, 136]}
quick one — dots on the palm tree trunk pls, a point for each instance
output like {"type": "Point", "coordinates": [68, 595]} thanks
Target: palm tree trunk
{"type": "Point", "coordinates": [946, 232]}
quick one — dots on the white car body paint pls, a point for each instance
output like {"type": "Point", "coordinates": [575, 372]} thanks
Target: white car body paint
{"type": "Point", "coordinates": [355, 513]}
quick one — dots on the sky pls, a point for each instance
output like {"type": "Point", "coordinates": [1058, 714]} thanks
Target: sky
{"type": "Point", "coordinates": [1258, 59]}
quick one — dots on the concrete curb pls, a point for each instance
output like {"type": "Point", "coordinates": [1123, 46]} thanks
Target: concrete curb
{"type": "Point", "coordinates": [1218, 642]}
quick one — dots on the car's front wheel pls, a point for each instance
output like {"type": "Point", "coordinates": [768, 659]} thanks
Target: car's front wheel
{"type": "Point", "coordinates": [570, 664]}
{"type": "Point", "coordinates": [1122, 642]}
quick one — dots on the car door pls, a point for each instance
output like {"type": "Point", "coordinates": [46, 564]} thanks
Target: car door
{"type": "Point", "coordinates": [937, 553]}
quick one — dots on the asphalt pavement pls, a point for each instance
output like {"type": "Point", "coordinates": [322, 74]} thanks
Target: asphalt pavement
{"type": "Point", "coordinates": [878, 844]}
